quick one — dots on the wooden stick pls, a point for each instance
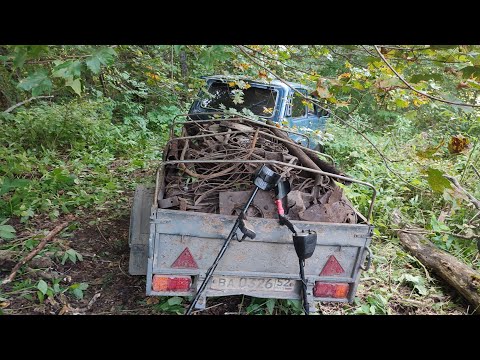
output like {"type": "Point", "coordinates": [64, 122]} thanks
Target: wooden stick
{"type": "Point", "coordinates": [455, 182]}
{"type": "Point", "coordinates": [13, 107]}
{"type": "Point", "coordinates": [35, 251]}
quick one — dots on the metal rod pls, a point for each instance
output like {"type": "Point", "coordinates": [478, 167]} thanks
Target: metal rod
{"type": "Point", "coordinates": [280, 163]}
{"type": "Point", "coordinates": [306, 307]}
{"type": "Point", "coordinates": [248, 132]}
{"type": "Point", "coordinates": [251, 121]}
{"type": "Point", "coordinates": [255, 122]}
{"type": "Point", "coordinates": [221, 253]}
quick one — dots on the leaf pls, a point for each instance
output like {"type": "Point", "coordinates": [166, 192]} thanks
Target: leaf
{"type": "Point", "coordinates": [344, 75]}
{"type": "Point", "coordinates": [38, 83]}
{"type": "Point", "coordinates": [422, 290]}
{"type": "Point", "coordinates": [429, 151]}
{"type": "Point", "coordinates": [7, 228]}
{"type": "Point", "coordinates": [153, 300]}
{"type": "Point", "coordinates": [178, 48]}
{"type": "Point", "coordinates": [4, 304]}
{"type": "Point", "coordinates": [471, 71]}
{"type": "Point", "coordinates": [443, 47]}
{"type": "Point", "coordinates": [270, 305]}
{"type": "Point", "coordinates": [9, 184]}
{"type": "Point", "coordinates": [322, 89]}
{"type": "Point", "coordinates": [103, 56]}
{"type": "Point", "coordinates": [83, 286]}
{"type": "Point", "coordinates": [212, 54]}
{"type": "Point", "coordinates": [20, 57]}
{"type": "Point", "coordinates": [7, 232]}
{"type": "Point", "coordinates": [68, 69]}
{"type": "Point", "coordinates": [78, 293]}
{"type": "Point", "coordinates": [41, 296]}
{"type": "Point", "coordinates": [42, 287]}
{"type": "Point", "coordinates": [72, 255]}
{"type": "Point", "coordinates": [387, 84]}
{"type": "Point", "coordinates": [458, 144]}
{"type": "Point", "coordinates": [176, 300]}
{"type": "Point", "coordinates": [424, 77]}
{"type": "Point", "coordinates": [436, 180]}
{"type": "Point", "coordinates": [401, 103]}
{"type": "Point", "coordinates": [76, 85]}
{"type": "Point", "coordinates": [6, 235]}
{"type": "Point", "coordinates": [64, 258]}
{"type": "Point", "coordinates": [411, 279]}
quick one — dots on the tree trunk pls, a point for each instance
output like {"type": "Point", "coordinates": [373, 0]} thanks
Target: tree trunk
{"type": "Point", "coordinates": [183, 63]}
{"type": "Point", "coordinates": [460, 276]}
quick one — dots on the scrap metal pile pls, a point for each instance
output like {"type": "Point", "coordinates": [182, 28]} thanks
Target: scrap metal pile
{"type": "Point", "coordinates": [222, 187]}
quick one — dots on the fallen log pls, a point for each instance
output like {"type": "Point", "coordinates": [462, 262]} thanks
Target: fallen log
{"type": "Point", "coordinates": [457, 274]}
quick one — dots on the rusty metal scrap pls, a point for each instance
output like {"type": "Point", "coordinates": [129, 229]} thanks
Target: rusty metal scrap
{"type": "Point", "coordinates": [222, 186]}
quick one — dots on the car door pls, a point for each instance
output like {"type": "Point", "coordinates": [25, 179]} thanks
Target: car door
{"type": "Point", "coordinates": [302, 116]}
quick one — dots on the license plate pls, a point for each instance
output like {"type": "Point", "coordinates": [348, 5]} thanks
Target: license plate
{"type": "Point", "coordinates": [244, 283]}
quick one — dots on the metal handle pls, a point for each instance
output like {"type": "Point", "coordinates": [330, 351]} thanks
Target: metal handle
{"type": "Point", "coordinates": [369, 261]}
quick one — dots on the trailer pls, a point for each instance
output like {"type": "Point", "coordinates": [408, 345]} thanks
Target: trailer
{"type": "Point", "coordinates": [174, 247]}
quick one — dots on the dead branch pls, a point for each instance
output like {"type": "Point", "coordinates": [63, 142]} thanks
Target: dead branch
{"type": "Point", "coordinates": [13, 107]}
{"type": "Point", "coordinates": [402, 79]}
{"type": "Point", "coordinates": [455, 182]}
{"type": "Point", "coordinates": [35, 251]}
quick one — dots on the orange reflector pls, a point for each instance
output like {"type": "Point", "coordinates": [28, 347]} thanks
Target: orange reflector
{"type": "Point", "coordinates": [331, 290]}
{"type": "Point", "coordinates": [169, 283]}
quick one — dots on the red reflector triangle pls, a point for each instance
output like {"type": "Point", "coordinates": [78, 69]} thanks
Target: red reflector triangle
{"type": "Point", "coordinates": [332, 267]}
{"type": "Point", "coordinates": [185, 260]}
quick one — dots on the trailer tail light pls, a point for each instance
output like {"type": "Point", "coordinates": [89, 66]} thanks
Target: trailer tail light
{"type": "Point", "coordinates": [331, 290]}
{"type": "Point", "coordinates": [169, 283]}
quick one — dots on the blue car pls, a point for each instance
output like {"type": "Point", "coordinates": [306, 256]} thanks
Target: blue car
{"type": "Point", "coordinates": [273, 101]}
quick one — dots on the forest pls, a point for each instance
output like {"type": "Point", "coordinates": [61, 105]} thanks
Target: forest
{"type": "Point", "coordinates": [83, 125]}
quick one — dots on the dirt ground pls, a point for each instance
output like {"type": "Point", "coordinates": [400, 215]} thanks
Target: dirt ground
{"type": "Point", "coordinates": [111, 290]}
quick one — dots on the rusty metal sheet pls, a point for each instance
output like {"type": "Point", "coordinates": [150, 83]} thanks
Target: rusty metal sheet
{"type": "Point", "coordinates": [231, 202]}
{"type": "Point", "coordinates": [168, 202]}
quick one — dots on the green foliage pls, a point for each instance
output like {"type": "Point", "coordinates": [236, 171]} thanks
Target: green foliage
{"type": "Point", "coordinates": [77, 289]}
{"type": "Point", "coordinates": [102, 56]}
{"type": "Point", "coordinates": [38, 82]}
{"type": "Point", "coordinates": [172, 305]}
{"type": "Point", "coordinates": [6, 231]}
{"type": "Point", "coordinates": [436, 180]}
{"type": "Point", "coordinates": [71, 255]}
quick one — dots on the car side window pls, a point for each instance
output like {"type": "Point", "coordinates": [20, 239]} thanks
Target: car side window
{"type": "Point", "coordinates": [299, 107]}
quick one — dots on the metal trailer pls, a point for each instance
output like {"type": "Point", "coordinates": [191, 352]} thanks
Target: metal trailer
{"type": "Point", "coordinates": [175, 248]}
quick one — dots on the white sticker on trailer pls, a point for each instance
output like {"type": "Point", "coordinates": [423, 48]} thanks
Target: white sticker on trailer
{"type": "Point", "coordinates": [248, 283]}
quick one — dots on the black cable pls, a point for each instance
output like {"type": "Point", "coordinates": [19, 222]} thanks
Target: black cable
{"type": "Point", "coordinates": [304, 286]}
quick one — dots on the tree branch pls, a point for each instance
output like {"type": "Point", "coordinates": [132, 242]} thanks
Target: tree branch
{"type": "Point", "coordinates": [455, 182]}
{"type": "Point", "coordinates": [35, 251]}
{"type": "Point", "coordinates": [13, 107]}
{"type": "Point", "coordinates": [415, 90]}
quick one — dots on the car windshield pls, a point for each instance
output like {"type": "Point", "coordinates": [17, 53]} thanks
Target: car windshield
{"type": "Point", "coordinates": [261, 101]}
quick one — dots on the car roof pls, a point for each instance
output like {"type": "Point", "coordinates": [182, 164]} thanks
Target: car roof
{"type": "Point", "coordinates": [273, 82]}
